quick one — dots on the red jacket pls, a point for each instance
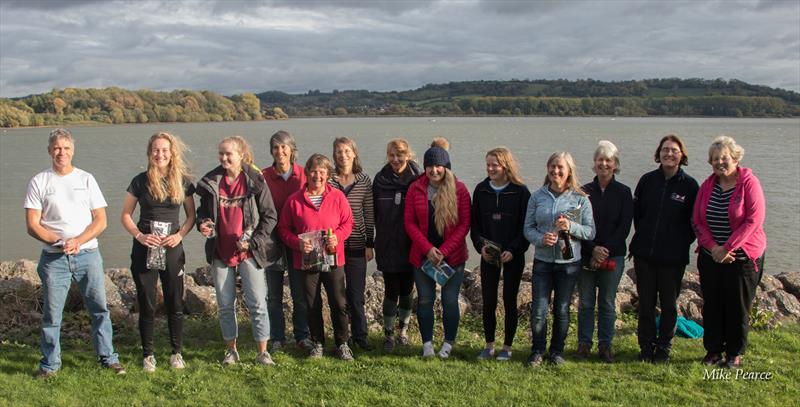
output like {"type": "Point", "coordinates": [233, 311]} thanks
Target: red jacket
{"type": "Point", "coordinates": [454, 247]}
{"type": "Point", "coordinates": [299, 215]}
{"type": "Point", "coordinates": [281, 189]}
{"type": "Point", "coordinates": [746, 213]}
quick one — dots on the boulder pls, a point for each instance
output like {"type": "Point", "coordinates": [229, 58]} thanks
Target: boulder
{"type": "Point", "coordinates": [199, 300]}
{"type": "Point", "coordinates": [787, 306]}
{"type": "Point", "coordinates": [631, 273]}
{"type": "Point", "coordinates": [691, 281]}
{"type": "Point", "coordinates": [527, 272]}
{"type": "Point", "coordinates": [790, 282]}
{"type": "Point", "coordinates": [123, 279]}
{"type": "Point", "coordinates": [770, 283]}
{"type": "Point", "coordinates": [690, 305]}
{"type": "Point", "coordinates": [625, 302]}
{"type": "Point", "coordinates": [202, 276]}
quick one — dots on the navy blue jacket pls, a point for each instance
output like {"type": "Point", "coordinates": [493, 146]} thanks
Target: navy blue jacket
{"type": "Point", "coordinates": [662, 216]}
{"type": "Point", "coordinates": [500, 217]}
{"type": "Point", "coordinates": [613, 214]}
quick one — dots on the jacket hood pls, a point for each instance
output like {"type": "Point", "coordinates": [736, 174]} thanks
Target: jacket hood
{"type": "Point", "coordinates": [387, 179]}
{"type": "Point", "coordinates": [744, 175]}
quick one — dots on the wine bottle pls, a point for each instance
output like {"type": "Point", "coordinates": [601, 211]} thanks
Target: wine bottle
{"type": "Point", "coordinates": [330, 251]}
{"type": "Point", "coordinates": [566, 243]}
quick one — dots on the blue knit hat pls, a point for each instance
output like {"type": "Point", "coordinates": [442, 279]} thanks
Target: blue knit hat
{"type": "Point", "coordinates": [436, 156]}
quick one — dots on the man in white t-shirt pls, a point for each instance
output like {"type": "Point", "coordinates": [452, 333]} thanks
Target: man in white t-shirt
{"type": "Point", "coordinates": [65, 210]}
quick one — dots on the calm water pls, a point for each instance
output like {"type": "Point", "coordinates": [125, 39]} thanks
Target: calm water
{"type": "Point", "coordinates": [114, 154]}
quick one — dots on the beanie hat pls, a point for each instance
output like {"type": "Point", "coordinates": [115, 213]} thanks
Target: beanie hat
{"type": "Point", "coordinates": [436, 156]}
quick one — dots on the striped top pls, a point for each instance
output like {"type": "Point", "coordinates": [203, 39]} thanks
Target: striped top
{"type": "Point", "coordinates": [359, 195]}
{"type": "Point", "coordinates": [717, 218]}
{"type": "Point", "coordinates": [316, 200]}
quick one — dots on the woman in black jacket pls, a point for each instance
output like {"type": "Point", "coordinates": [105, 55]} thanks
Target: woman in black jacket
{"type": "Point", "coordinates": [391, 241]}
{"type": "Point", "coordinates": [604, 257]}
{"type": "Point", "coordinates": [498, 214]}
{"type": "Point", "coordinates": [662, 214]}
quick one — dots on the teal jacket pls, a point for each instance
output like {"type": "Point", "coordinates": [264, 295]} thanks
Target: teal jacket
{"type": "Point", "coordinates": [543, 210]}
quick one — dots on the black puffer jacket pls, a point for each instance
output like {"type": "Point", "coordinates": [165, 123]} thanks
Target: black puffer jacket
{"type": "Point", "coordinates": [258, 210]}
{"type": "Point", "coordinates": [389, 195]}
{"type": "Point", "coordinates": [500, 217]}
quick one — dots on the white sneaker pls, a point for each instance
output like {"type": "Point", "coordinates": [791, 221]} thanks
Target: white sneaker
{"type": "Point", "coordinates": [264, 358]}
{"type": "Point", "coordinates": [176, 361]}
{"type": "Point", "coordinates": [444, 352]}
{"type": "Point", "coordinates": [427, 350]}
{"type": "Point", "coordinates": [231, 357]}
{"type": "Point", "coordinates": [149, 364]}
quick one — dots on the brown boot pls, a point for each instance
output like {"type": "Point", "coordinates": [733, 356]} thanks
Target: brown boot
{"type": "Point", "coordinates": [583, 351]}
{"type": "Point", "coordinates": [604, 351]}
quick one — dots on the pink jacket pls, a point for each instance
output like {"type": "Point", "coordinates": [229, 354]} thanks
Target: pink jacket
{"type": "Point", "coordinates": [299, 215]}
{"type": "Point", "coordinates": [745, 213]}
{"type": "Point", "coordinates": [454, 247]}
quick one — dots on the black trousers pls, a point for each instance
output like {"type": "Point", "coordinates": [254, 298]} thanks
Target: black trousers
{"type": "Point", "coordinates": [334, 282]}
{"type": "Point", "coordinates": [662, 283]}
{"type": "Point", "coordinates": [728, 292]}
{"type": "Point", "coordinates": [172, 289]}
{"type": "Point", "coordinates": [397, 292]}
{"type": "Point", "coordinates": [490, 280]}
{"type": "Point", "coordinates": [355, 271]}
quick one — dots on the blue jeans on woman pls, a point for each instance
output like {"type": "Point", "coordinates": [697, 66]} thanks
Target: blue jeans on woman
{"type": "Point", "coordinates": [598, 286]}
{"type": "Point", "coordinates": [254, 288]}
{"type": "Point", "coordinates": [451, 314]}
{"type": "Point", "coordinates": [57, 270]}
{"type": "Point", "coordinates": [552, 278]}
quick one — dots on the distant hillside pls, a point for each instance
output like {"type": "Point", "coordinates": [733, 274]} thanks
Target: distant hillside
{"type": "Point", "coordinates": [115, 105]}
{"type": "Point", "coordinates": [650, 97]}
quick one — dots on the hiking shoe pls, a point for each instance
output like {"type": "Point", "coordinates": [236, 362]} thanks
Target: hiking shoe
{"type": "Point", "coordinates": [646, 356]}
{"type": "Point", "coordinates": [556, 359]}
{"type": "Point", "coordinates": [118, 369]}
{"type": "Point", "coordinates": [149, 364]}
{"type": "Point", "coordinates": [605, 353]}
{"type": "Point", "coordinates": [344, 353]}
{"type": "Point", "coordinates": [504, 355]}
{"type": "Point", "coordinates": [535, 359]}
{"type": "Point", "coordinates": [712, 358]}
{"type": "Point", "coordinates": [44, 374]}
{"type": "Point", "coordinates": [401, 340]}
{"type": "Point", "coordinates": [486, 354]}
{"type": "Point", "coordinates": [388, 344]}
{"type": "Point", "coordinates": [661, 357]}
{"type": "Point", "coordinates": [306, 344]}
{"type": "Point", "coordinates": [316, 351]}
{"type": "Point", "coordinates": [264, 358]}
{"type": "Point", "coordinates": [362, 343]}
{"type": "Point", "coordinates": [445, 350]}
{"type": "Point", "coordinates": [733, 362]}
{"type": "Point", "coordinates": [231, 357]}
{"type": "Point", "coordinates": [427, 350]}
{"type": "Point", "coordinates": [583, 351]}
{"type": "Point", "coordinates": [176, 361]}
{"type": "Point", "coordinates": [276, 346]}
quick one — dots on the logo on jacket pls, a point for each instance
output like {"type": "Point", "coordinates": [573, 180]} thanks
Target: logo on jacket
{"type": "Point", "coordinates": [678, 198]}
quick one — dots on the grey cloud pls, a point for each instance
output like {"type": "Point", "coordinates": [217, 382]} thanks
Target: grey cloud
{"type": "Point", "coordinates": [47, 4]}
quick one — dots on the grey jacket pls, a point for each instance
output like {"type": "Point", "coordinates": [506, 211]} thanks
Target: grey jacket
{"type": "Point", "coordinates": [543, 210]}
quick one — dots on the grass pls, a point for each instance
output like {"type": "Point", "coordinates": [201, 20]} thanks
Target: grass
{"type": "Point", "coordinates": [398, 379]}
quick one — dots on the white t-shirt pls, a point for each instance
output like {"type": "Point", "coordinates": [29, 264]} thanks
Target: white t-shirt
{"type": "Point", "coordinates": [66, 202]}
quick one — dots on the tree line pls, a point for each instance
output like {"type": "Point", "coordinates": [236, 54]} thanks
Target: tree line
{"type": "Point", "coordinates": [115, 106]}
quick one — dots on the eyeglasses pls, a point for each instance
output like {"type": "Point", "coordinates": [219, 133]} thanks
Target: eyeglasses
{"type": "Point", "coordinates": [667, 150]}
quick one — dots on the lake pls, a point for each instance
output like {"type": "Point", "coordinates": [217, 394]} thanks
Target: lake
{"type": "Point", "coordinates": [114, 154]}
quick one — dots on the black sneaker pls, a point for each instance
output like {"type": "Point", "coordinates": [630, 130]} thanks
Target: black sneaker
{"type": "Point", "coordinates": [711, 359]}
{"type": "Point", "coordinates": [646, 355]}
{"type": "Point", "coordinates": [556, 359]}
{"type": "Point", "coordinates": [661, 357]}
{"type": "Point", "coordinates": [534, 360]}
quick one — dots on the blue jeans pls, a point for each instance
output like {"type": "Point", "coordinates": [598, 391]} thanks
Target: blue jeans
{"type": "Point", "coordinates": [558, 279]}
{"type": "Point", "coordinates": [598, 286]}
{"type": "Point", "coordinates": [254, 288]}
{"type": "Point", "coordinates": [57, 270]}
{"type": "Point", "coordinates": [451, 314]}
{"type": "Point", "coordinates": [275, 304]}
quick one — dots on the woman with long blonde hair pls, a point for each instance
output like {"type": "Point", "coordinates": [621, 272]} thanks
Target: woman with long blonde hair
{"type": "Point", "coordinates": [437, 217]}
{"type": "Point", "coordinates": [160, 192]}
{"type": "Point", "coordinates": [499, 204]}
{"type": "Point", "coordinates": [558, 218]}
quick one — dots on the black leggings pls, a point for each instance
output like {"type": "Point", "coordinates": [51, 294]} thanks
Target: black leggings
{"type": "Point", "coordinates": [172, 289]}
{"type": "Point", "coordinates": [398, 287]}
{"type": "Point", "coordinates": [490, 279]}
{"type": "Point", "coordinates": [334, 282]}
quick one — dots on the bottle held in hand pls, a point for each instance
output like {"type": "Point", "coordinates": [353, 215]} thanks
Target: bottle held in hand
{"type": "Point", "coordinates": [565, 242]}
{"type": "Point", "coordinates": [330, 251]}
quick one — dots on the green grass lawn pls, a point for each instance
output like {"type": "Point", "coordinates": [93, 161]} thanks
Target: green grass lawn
{"type": "Point", "coordinates": [402, 378]}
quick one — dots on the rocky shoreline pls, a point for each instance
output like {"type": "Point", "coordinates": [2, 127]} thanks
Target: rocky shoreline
{"type": "Point", "coordinates": [777, 298]}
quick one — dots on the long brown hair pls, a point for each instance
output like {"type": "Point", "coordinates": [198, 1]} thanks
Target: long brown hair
{"type": "Point", "coordinates": [509, 164]}
{"type": "Point", "coordinates": [352, 144]}
{"type": "Point", "coordinates": [170, 185]}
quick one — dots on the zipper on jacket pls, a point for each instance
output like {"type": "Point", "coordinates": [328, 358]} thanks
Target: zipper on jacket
{"type": "Point", "coordinates": [658, 217]}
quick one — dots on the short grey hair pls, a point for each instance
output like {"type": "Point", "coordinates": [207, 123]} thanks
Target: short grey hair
{"type": "Point", "coordinates": [59, 133]}
{"type": "Point", "coordinates": [284, 137]}
{"type": "Point", "coordinates": [607, 149]}
{"type": "Point", "coordinates": [722, 142]}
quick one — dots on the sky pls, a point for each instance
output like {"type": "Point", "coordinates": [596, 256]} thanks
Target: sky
{"type": "Point", "coordinates": [232, 47]}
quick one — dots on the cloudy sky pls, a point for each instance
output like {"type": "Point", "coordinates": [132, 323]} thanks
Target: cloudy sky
{"type": "Point", "coordinates": [295, 46]}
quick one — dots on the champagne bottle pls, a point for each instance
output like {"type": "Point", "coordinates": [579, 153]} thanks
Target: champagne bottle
{"type": "Point", "coordinates": [566, 242]}
{"type": "Point", "coordinates": [330, 251]}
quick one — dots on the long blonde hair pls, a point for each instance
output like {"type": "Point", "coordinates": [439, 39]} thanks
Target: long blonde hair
{"type": "Point", "coordinates": [572, 181]}
{"type": "Point", "coordinates": [170, 185]}
{"type": "Point", "coordinates": [244, 149]}
{"type": "Point", "coordinates": [445, 207]}
{"type": "Point", "coordinates": [509, 164]}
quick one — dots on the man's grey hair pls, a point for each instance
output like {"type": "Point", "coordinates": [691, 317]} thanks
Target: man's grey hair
{"type": "Point", "coordinates": [59, 133]}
